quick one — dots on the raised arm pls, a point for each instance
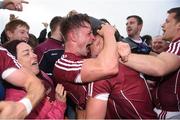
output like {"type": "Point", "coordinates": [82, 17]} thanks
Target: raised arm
{"type": "Point", "coordinates": [106, 63]}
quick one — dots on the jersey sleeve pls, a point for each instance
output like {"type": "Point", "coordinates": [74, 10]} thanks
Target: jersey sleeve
{"type": "Point", "coordinates": [70, 70]}
{"type": "Point", "coordinates": [99, 90]}
{"type": "Point", "coordinates": [8, 63]}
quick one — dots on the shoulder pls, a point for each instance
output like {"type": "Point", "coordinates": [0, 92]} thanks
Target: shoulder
{"type": "Point", "coordinates": [7, 57]}
{"type": "Point", "coordinates": [69, 64]}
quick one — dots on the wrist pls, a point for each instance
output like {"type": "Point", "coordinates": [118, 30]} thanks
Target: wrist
{"type": "Point", "coordinates": [27, 103]}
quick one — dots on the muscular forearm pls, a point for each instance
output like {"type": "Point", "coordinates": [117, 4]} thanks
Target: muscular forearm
{"type": "Point", "coordinates": [35, 90]}
{"type": "Point", "coordinates": [142, 63]}
{"type": "Point", "coordinates": [109, 55]}
{"type": "Point", "coordinates": [159, 65]}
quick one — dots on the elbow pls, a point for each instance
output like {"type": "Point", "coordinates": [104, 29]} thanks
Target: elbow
{"type": "Point", "coordinates": [112, 70]}
{"type": "Point", "coordinates": [113, 67]}
{"type": "Point", "coordinates": [159, 72]}
{"type": "Point", "coordinates": [115, 71]}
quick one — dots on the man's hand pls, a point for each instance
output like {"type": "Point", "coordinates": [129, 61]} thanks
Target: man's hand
{"type": "Point", "coordinates": [14, 4]}
{"type": "Point", "coordinates": [12, 110]}
{"type": "Point", "coordinates": [124, 50]}
{"type": "Point", "coordinates": [106, 29]}
{"type": "Point", "coordinates": [45, 24]}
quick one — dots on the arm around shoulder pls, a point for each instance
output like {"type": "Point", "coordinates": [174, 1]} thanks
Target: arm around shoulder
{"type": "Point", "coordinates": [169, 63]}
{"type": "Point", "coordinates": [93, 69]}
{"type": "Point", "coordinates": [27, 80]}
{"type": "Point", "coordinates": [106, 63]}
{"type": "Point", "coordinates": [34, 87]}
{"type": "Point", "coordinates": [159, 65]}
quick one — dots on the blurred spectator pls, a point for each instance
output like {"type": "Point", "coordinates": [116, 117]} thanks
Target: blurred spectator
{"type": "Point", "coordinates": [16, 30]}
{"type": "Point", "coordinates": [147, 39]}
{"type": "Point", "coordinates": [133, 27]}
{"type": "Point", "coordinates": [33, 41]}
{"type": "Point", "coordinates": [3, 34]}
{"type": "Point", "coordinates": [159, 45]}
{"type": "Point", "coordinates": [42, 35]}
{"type": "Point", "coordinates": [52, 48]}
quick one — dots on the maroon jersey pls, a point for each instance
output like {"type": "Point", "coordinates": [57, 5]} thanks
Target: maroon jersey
{"type": "Point", "coordinates": [127, 95]}
{"type": "Point", "coordinates": [48, 53]}
{"type": "Point", "coordinates": [167, 93]}
{"type": "Point", "coordinates": [8, 63]}
{"type": "Point", "coordinates": [67, 72]}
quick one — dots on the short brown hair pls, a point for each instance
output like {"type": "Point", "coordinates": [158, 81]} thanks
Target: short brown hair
{"type": "Point", "coordinates": [177, 11]}
{"type": "Point", "coordinates": [72, 22]}
{"type": "Point", "coordinates": [11, 26]}
{"type": "Point", "coordinates": [138, 18]}
{"type": "Point", "coordinates": [56, 21]}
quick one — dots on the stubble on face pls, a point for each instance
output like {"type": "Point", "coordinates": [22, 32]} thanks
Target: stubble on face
{"type": "Point", "coordinates": [169, 28]}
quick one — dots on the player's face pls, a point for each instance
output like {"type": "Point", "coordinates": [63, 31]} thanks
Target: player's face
{"type": "Point", "coordinates": [132, 27]}
{"type": "Point", "coordinates": [85, 38]}
{"type": "Point", "coordinates": [20, 33]}
{"type": "Point", "coordinates": [27, 58]}
{"type": "Point", "coordinates": [159, 45]}
{"type": "Point", "coordinates": [96, 46]}
{"type": "Point", "coordinates": [170, 28]}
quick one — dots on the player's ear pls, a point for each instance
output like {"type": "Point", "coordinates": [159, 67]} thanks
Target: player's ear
{"type": "Point", "coordinates": [178, 26]}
